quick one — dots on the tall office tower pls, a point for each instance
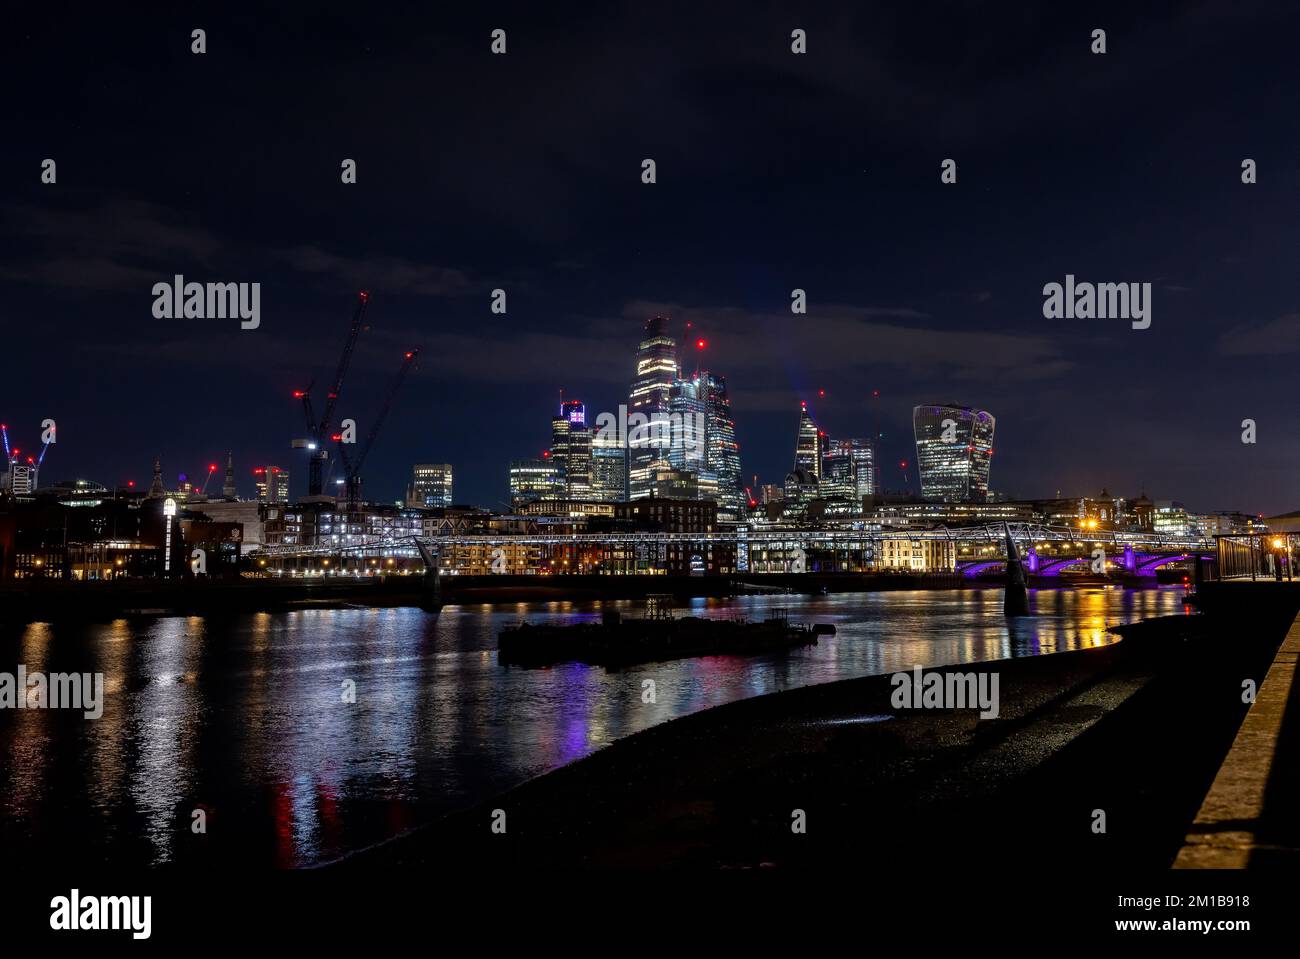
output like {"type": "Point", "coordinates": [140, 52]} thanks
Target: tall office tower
{"type": "Point", "coordinates": [954, 449]}
{"type": "Point", "coordinates": [704, 440]}
{"type": "Point", "coordinates": [656, 371]}
{"type": "Point", "coordinates": [228, 492]}
{"type": "Point", "coordinates": [272, 484]}
{"type": "Point", "coordinates": [608, 467]}
{"type": "Point", "coordinates": [837, 476]}
{"type": "Point", "coordinates": [688, 449]}
{"type": "Point", "coordinates": [722, 450]}
{"type": "Point", "coordinates": [430, 485]}
{"type": "Point", "coordinates": [863, 453]}
{"type": "Point", "coordinates": [571, 449]}
{"type": "Point", "coordinates": [810, 445]}
{"type": "Point", "coordinates": [534, 479]}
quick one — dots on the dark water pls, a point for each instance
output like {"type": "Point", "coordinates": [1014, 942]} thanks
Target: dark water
{"type": "Point", "coordinates": [244, 718]}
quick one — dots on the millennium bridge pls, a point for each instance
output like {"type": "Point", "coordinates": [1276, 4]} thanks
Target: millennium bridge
{"type": "Point", "coordinates": [1047, 550]}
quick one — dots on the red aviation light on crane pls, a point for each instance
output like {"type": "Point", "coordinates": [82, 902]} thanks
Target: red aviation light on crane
{"type": "Point", "coordinates": [821, 392]}
{"type": "Point", "coordinates": [299, 394]}
{"type": "Point", "coordinates": [700, 344]}
{"type": "Point", "coordinates": [259, 471]}
{"type": "Point", "coordinates": [212, 467]}
{"type": "Point", "coordinates": [130, 483]}
{"type": "Point", "coordinates": [365, 295]}
{"type": "Point", "coordinates": [409, 354]}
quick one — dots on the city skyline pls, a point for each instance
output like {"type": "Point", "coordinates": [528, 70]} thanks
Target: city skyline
{"type": "Point", "coordinates": [825, 449]}
{"type": "Point", "coordinates": [585, 250]}
{"type": "Point", "coordinates": [473, 442]}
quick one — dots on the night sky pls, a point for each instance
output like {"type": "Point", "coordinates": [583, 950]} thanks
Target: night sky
{"type": "Point", "coordinates": [775, 171]}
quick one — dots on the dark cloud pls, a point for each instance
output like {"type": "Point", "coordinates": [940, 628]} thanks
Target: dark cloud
{"type": "Point", "coordinates": [1277, 337]}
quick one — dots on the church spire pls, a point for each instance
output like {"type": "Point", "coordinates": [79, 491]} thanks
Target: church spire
{"type": "Point", "coordinates": [156, 490]}
{"type": "Point", "coordinates": [228, 489]}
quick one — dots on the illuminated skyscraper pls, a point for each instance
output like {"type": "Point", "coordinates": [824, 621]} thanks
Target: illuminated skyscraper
{"type": "Point", "coordinates": [534, 479]}
{"type": "Point", "coordinates": [704, 440]}
{"type": "Point", "coordinates": [430, 485]}
{"type": "Point", "coordinates": [954, 449]}
{"type": "Point", "coordinates": [722, 451]}
{"type": "Point", "coordinates": [810, 445]}
{"type": "Point", "coordinates": [689, 450]}
{"type": "Point", "coordinates": [863, 453]}
{"type": "Point", "coordinates": [608, 467]}
{"type": "Point", "coordinates": [838, 478]}
{"type": "Point", "coordinates": [571, 449]}
{"type": "Point", "coordinates": [656, 371]}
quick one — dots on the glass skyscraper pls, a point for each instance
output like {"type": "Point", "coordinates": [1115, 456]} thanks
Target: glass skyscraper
{"type": "Point", "coordinates": [608, 468]}
{"type": "Point", "coordinates": [863, 453]}
{"type": "Point", "coordinates": [656, 371]}
{"type": "Point", "coordinates": [838, 477]}
{"type": "Point", "coordinates": [810, 445]}
{"type": "Point", "coordinates": [705, 440]}
{"type": "Point", "coordinates": [571, 449]}
{"type": "Point", "coordinates": [954, 449]}
{"type": "Point", "coordinates": [534, 479]}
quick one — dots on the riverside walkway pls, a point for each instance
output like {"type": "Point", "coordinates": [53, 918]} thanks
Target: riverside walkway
{"type": "Point", "coordinates": [1251, 815]}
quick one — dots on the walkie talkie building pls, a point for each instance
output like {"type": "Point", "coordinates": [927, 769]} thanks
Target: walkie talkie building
{"type": "Point", "coordinates": [954, 448]}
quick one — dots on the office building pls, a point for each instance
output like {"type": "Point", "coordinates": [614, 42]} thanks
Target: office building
{"type": "Point", "coordinates": [272, 484]}
{"type": "Point", "coordinates": [431, 485]}
{"type": "Point", "coordinates": [571, 449]}
{"type": "Point", "coordinates": [608, 467]}
{"type": "Point", "coordinates": [656, 371]}
{"type": "Point", "coordinates": [534, 479]}
{"type": "Point", "coordinates": [954, 449]}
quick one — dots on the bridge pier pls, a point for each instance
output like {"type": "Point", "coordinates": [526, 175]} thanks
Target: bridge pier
{"type": "Point", "coordinates": [1015, 600]}
{"type": "Point", "coordinates": [431, 593]}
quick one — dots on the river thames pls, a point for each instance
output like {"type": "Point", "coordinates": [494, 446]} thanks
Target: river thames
{"type": "Point", "coordinates": [246, 720]}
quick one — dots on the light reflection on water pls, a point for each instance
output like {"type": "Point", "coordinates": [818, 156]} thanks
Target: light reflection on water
{"type": "Point", "coordinates": [244, 717]}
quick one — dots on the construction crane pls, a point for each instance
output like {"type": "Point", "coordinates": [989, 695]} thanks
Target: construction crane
{"type": "Point", "coordinates": [212, 468]}
{"type": "Point", "coordinates": [317, 431]}
{"type": "Point", "coordinates": [352, 468]}
{"type": "Point", "coordinates": [21, 478]}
